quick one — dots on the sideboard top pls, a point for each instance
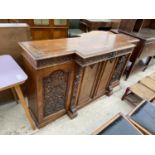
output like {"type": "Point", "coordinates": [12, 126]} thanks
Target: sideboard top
{"type": "Point", "coordinates": [88, 45]}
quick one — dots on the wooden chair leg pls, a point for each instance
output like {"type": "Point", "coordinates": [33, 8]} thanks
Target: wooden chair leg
{"type": "Point", "coordinates": [128, 72]}
{"type": "Point", "coordinates": [14, 95]}
{"type": "Point", "coordinates": [147, 63]}
{"type": "Point", "coordinates": [23, 102]}
{"type": "Point", "coordinates": [126, 93]}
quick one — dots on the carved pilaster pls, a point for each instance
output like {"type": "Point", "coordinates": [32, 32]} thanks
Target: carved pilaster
{"type": "Point", "coordinates": [72, 109]}
{"type": "Point", "coordinates": [109, 90]}
{"type": "Point", "coordinates": [119, 69]}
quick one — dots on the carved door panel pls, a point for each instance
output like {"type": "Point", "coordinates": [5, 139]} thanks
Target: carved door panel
{"type": "Point", "coordinates": [87, 85]}
{"type": "Point", "coordinates": [55, 86]}
{"type": "Point", "coordinates": [105, 76]}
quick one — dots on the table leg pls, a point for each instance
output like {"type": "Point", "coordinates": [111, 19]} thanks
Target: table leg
{"type": "Point", "coordinates": [23, 102]}
{"type": "Point", "coordinates": [14, 95]}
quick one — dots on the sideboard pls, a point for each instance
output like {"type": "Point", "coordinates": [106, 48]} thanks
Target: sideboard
{"type": "Point", "coordinates": [67, 74]}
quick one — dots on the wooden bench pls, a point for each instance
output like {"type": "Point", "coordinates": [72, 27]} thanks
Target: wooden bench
{"type": "Point", "coordinates": [142, 90]}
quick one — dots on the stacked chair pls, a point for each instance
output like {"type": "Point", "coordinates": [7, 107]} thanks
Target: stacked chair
{"type": "Point", "coordinates": [143, 117]}
{"type": "Point", "coordinates": [118, 125]}
{"type": "Point", "coordinates": [140, 121]}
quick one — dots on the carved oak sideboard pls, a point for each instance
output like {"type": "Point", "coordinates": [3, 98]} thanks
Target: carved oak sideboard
{"type": "Point", "coordinates": [67, 74]}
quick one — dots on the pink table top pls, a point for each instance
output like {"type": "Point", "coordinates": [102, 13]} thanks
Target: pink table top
{"type": "Point", "coordinates": [10, 72]}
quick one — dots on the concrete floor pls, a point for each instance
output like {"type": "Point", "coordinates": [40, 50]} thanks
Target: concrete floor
{"type": "Point", "coordinates": [13, 120]}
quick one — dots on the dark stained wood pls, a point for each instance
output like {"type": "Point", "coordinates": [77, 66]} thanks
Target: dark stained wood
{"type": "Point", "coordinates": [127, 25]}
{"type": "Point", "coordinates": [144, 30]}
{"type": "Point", "coordinates": [100, 24]}
{"type": "Point", "coordinates": [96, 24]}
{"type": "Point", "coordinates": [65, 74]}
{"type": "Point", "coordinates": [4, 20]}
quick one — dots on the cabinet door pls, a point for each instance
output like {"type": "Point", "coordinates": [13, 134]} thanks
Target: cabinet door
{"type": "Point", "coordinates": [87, 85]}
{"type": "Point", "coordinates": [60, 33]}
{"type": "Point", "coordinates": [54, 90]}
{"type": "Point", "coordinates": [104, 78]}
{"type": "Point", "coordinates": [41, 33]}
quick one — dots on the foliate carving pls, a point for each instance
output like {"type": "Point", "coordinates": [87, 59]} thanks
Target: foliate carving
{"type": "Point", "coordinates": [100, 58]}
{"type": "Point", "coordinates": [75, 89]}
{"type": "Point", "coordinates": [54, 93]}
{"type": "Point", "coordinates": [54, 61]}
{"type": "Point", "coordinates": [119, 68]}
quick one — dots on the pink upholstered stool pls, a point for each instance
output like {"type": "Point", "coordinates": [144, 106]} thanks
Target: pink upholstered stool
{"type": "Point", "coordinates": [11, 77]}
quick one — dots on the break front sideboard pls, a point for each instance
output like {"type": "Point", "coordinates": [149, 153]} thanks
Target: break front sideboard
{"type": "Point", "coordinates": [67, 74]}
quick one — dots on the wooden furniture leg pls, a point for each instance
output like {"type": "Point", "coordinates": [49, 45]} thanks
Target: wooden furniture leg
{"type": "Point", "coordinates": [126, 93]}
{"type": "Point", "coordinates": [147, 63]}
{"type": "Point", "coordinates": [22, 100]}
{"type": "Point", "coordinates": [129, 71]}
{"type": "Point", "coordinates": [14, 95]}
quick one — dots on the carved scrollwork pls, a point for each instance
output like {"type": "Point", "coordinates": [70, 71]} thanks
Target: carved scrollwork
{"type": "Point", "coordinates": [100, 58]}
{"type": "Point", "coordinates": [54, 93]}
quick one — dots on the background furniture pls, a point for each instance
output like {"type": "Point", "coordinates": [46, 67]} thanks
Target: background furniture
{"type": "Point", "coordinates": [12, 76]}
{"type": "Point", "coordinates": [143, 29]}
{"type": "Point", "coordinates": [10, 35]}
{"type": "Point", "coordinates": [45, 28]}
{"type": "Point", "coordinates": [142, 90]}
{"type": "Point", "coordinates": [76, 27]}
{"type": "Point", "coordinates": [67, 74]}
{"type": "Point", "coordinates": [118, 125]}
{"type": "Point", "coordinates": [4, 20]}
{"type": "Point", "coordinates": [143, 117]}
{"type": "Point", "coordinates": [101, 24]}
